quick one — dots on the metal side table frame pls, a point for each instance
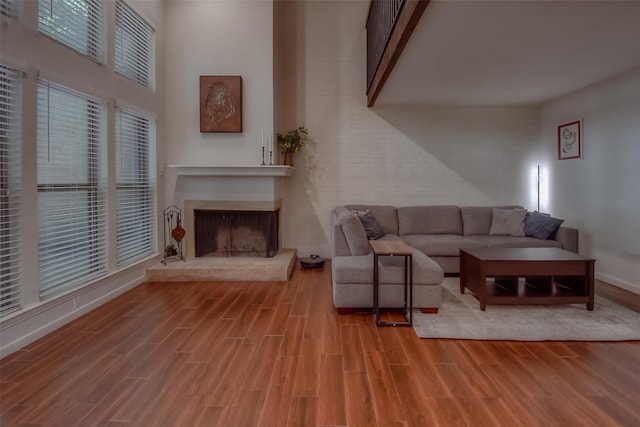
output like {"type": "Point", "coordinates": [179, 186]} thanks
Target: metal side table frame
{"type": "Point", "coordinates": [393, 248]}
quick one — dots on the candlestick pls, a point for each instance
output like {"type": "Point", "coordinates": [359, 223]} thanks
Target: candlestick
{"type": "Point", "coordinates": [270, 157]}
{"type": "Point", "coordinates": [262, 156]}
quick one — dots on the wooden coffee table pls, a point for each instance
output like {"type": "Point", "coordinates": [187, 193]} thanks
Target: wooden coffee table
{"type": "Point", "coordinates": [527, 276]}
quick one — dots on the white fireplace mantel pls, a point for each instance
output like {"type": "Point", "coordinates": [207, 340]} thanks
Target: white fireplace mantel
{"type": "Point", "coordinates": [231, 183]}
{"type": "Point", "coordinates": [222, 171]}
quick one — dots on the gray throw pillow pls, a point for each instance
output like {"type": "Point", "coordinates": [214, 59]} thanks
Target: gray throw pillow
{"type": "Point", "coordinates": [354, 232]}
{"type": "Point", "coordinates": [370, 223]}
{"type": "Point", "coordinates": [509, 222]}
{"type": "Point", "coordinates": [541, 226]}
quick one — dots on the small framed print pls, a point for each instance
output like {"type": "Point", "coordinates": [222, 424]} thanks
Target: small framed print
{"type": "Point", "coordinates": [570, 140]}
{"type": "Point", "coordinates": [220, 104]}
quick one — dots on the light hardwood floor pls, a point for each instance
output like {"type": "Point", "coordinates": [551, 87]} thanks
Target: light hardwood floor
{"type": "Point", "coordinates": [277, 354]}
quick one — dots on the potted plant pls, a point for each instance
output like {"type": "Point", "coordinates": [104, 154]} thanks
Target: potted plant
{"type": "Point", "coordinates": [292, 142]}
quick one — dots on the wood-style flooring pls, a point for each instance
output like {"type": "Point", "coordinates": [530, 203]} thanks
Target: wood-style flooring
{"type": "Point", "coordinates": [277, 354]}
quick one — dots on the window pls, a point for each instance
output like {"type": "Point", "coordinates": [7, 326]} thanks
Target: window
{"type": "Point", "coordinates": [10, 178]}
{"type": "Point", "coordinates": [9, 8]}
{"type": "Point", "coordinates": [76, 23]}
{"type": "Point", "coordinates": [135, 183]}
{"type": "Point", "coordinates": [72, 217]}
{"type": "Point", "coordinates": [134, 46]}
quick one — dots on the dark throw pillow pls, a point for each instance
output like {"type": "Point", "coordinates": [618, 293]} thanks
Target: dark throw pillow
{"type": "Point", "coordinates": [541, 226]}
{"type": "Point", "coordinates": [371, 225]}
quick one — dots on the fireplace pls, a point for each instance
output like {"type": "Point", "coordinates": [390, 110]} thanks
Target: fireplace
{"type": "Point", "coordinates": [235, 233]}
{"type": "Point", "coordinates": [220, 228]}
{"type": "Point", "coordinates": [255, 188]}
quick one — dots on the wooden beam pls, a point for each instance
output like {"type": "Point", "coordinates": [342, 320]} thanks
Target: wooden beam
{"type": "Point", "coordinates": [407, 22]}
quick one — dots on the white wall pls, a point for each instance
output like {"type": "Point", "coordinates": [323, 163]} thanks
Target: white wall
{"type": "Point", "coordinates": [399, 155]}
{"type": "Point", "coordinates": [23, 47]}
{"type": "Point", "coordinates": [209, 38]}
{"type": "Point", "coordinates": [600, 193]}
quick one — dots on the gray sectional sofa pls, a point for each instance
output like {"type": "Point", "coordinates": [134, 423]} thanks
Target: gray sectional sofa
{"type": "Point", "coordinates": [436, 234]}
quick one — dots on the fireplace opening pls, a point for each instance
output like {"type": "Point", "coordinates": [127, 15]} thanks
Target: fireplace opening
{"type": "Point", "coordinates": [235, 233]}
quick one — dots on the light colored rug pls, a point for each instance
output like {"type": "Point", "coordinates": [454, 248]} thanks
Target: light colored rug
{"type": "Point", "coordinates": [460, 317]}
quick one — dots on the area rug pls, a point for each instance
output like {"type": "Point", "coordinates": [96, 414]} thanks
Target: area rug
{"type": "Point", "coordinates": [460, 317]}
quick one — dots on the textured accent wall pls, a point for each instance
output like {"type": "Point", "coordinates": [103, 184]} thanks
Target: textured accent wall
{"type": "Point", "coordinates": [400, 155]}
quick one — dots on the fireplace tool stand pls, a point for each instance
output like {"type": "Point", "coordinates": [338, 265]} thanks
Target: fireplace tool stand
{"type": "Point", "coordinates": [173, 234]}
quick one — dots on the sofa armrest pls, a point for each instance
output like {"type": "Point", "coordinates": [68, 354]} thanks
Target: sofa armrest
{"type": "Point", "coordinates": [568, 236]}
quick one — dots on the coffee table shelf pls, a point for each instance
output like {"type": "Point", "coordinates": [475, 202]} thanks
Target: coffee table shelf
{"type": "Point", "coordinates": [536, 293]}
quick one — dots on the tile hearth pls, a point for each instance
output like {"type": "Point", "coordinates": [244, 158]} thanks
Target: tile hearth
{"type": "Point", "coordinates": [277, 268]}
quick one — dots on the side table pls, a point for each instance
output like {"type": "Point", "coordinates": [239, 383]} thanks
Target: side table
{"type": "Point", "coordinates": [393, 248]}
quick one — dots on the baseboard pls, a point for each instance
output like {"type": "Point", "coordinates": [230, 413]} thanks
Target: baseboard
{"type": "Point", "coordinates": [51, 321]}
{"type": "Point", "coordinates": [628, 286]}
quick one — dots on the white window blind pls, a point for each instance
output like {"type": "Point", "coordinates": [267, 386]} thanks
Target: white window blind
{"type": "Point", "coordinates": [77, 23]}
{"type": "Point", "coordinates": [10, 178]}
{"type": "Point", "coordinates": [136, 186]}
{"type": "Point", "coordinates": [9, 8]}
{"type": "Point", "coordinates": [72, 217]}
{"type": "Point", "coordinates": [134, 46]}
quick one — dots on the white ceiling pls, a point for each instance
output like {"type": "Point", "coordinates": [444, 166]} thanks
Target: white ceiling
{"type": "Point", "coordinates": [499, 53]}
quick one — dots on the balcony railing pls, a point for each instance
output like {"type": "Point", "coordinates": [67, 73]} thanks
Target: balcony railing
{"type": "Point", "coordinates": [383, 15]}
{"type": "Point", "coordinates": [389, 26]}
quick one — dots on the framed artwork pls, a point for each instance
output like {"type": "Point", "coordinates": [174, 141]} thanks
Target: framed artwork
{"type": "Point", "coordinates": [220, 104]}
{"type": "Point", "coordinates": [570, 140]}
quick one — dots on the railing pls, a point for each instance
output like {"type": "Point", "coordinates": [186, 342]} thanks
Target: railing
{"type": "Point", "coordinates": [382, 18]}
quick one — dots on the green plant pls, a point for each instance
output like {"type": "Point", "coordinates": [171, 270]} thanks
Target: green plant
{"type": "Point", "coordinates": [292, 141]}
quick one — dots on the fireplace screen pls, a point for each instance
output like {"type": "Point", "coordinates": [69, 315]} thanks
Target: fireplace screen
{"type": "Point", "coordinates": [236, 233]}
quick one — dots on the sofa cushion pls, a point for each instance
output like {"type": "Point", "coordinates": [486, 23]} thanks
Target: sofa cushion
{"type": "Point", "coordinates": [541, 226]}
{"type": "Point", "coordinates": [386, 216]}
{"type": "Point", "coordinates": [429, 220]}
{"type": "Point", "coordinates": [440, 244]}
{"type": "Point", "coordinates": [339, 245]}
{"type": "Point", "coordinates": [498, 241]}
{"type": "Point", "coordinates": [509, 222]}
{"type": "Point", "coordinates": [353, 231]}
{"type": "Point", "coordinates": [476, 220]}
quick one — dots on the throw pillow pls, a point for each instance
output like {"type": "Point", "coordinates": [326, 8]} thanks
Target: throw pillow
{"type": "Point", "coordinates": [509, 222]}
{"type": "Point", "coordinates": [541, 226]}
{"type": "Point", "coordinates": [370, 223]}
{"type": "Point", "coordinates": [354, 232]}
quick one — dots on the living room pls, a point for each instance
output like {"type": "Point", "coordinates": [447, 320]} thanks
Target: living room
{"type": "Point", "coordinates": [302, 64]}
{"type": "Point", "coordinates": [309, 73]}
{"type": "Point", "coordinates": [400, 154]}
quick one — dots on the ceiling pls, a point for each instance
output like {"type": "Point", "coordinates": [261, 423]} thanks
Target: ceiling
{"type": "Point", "coordinates": [498, 53]}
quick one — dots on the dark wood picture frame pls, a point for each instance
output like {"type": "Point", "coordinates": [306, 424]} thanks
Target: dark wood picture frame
{"type": "Point", "coordinates": [570, 140]}
{"type": "Point", "coordinates": [220, 104]}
